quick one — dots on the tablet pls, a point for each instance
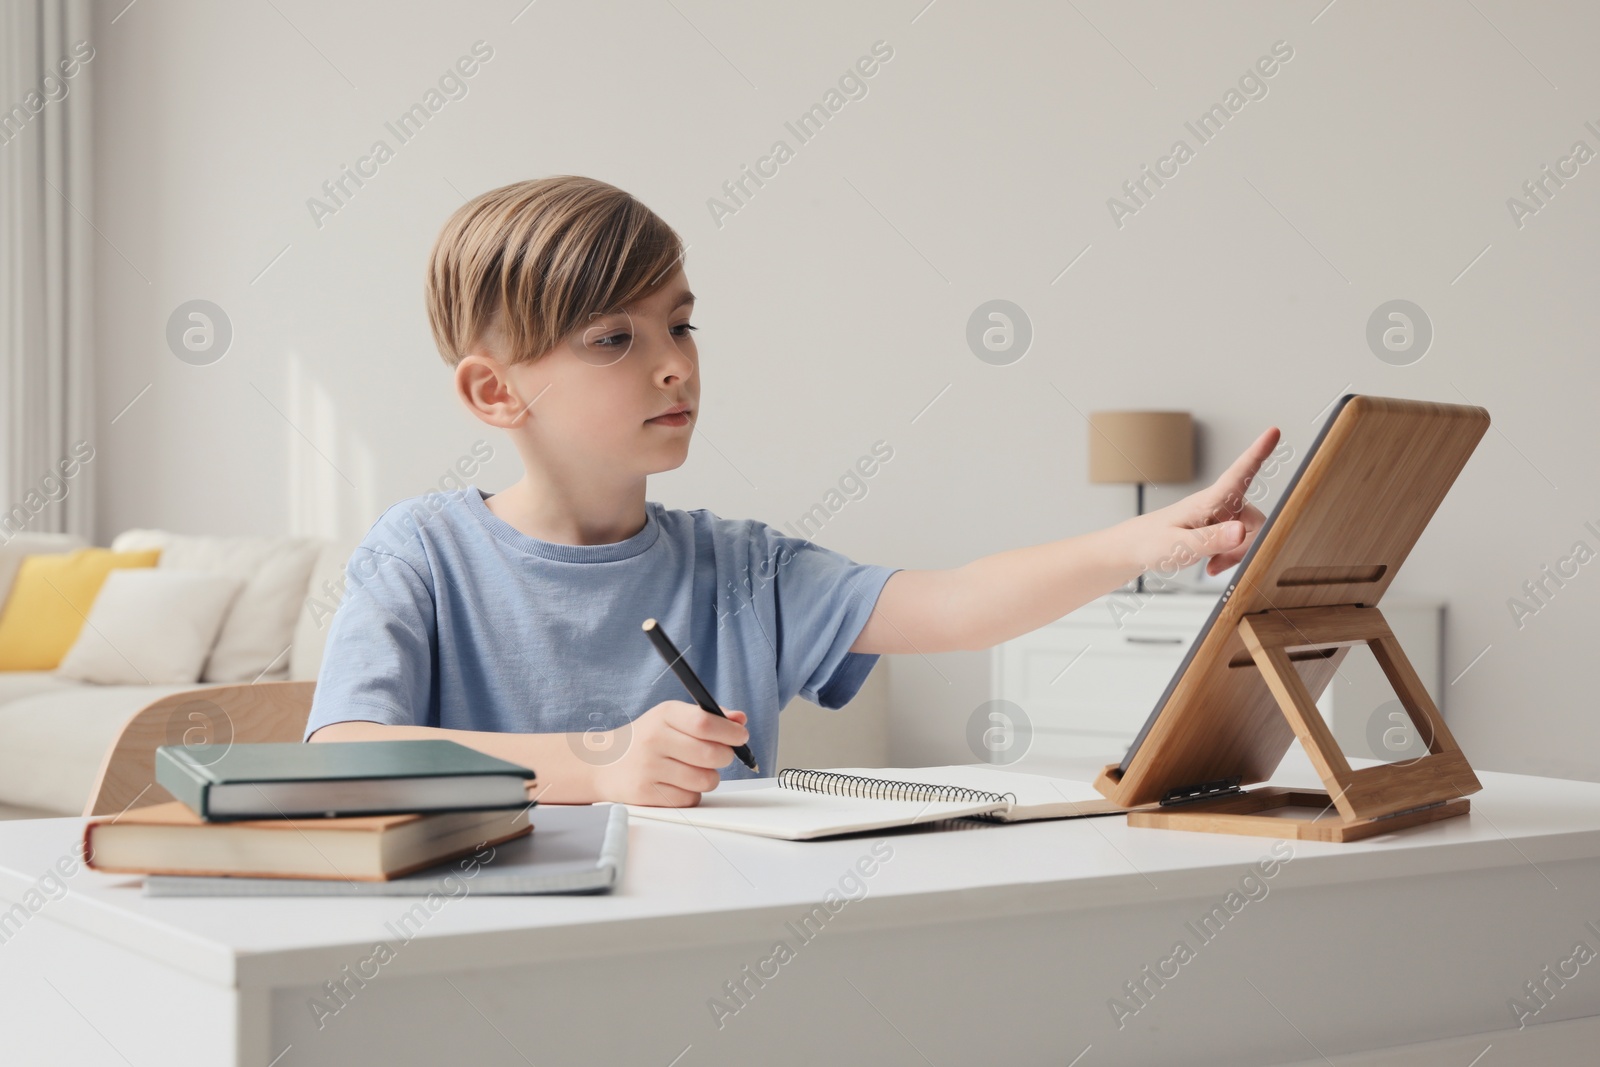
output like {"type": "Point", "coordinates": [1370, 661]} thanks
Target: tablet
{"type": "Point", "coordinates": [1362, 495]}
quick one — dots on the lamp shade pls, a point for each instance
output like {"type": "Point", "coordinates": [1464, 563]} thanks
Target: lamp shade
{"type": "Point", "coordinates": [1149, 447]}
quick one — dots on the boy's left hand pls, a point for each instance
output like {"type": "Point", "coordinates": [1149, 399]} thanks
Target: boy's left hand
{"type": "Point", "coordinates": [1217, 521]}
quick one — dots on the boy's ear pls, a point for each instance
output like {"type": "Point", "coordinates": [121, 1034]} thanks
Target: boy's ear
{"type": "Point", "coordinates": [485, 387]}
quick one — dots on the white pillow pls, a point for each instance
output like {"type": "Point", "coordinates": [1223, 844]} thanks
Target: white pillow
{"type": "Point", "coordinates": [150, 626]}
{"type": "Point", "coordinates": [258, 629]}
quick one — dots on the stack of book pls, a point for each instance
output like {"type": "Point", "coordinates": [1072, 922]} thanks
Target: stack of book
{"type": "Point", "coordinates": [364, 811]}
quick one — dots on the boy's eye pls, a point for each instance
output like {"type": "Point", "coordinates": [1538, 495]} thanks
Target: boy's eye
{"type": "Point", "coordinates": [622, 338]}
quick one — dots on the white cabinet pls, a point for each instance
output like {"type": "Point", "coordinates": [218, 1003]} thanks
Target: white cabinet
{"type": "Point", "coordinates": [1086, 683]}
{"type": "Point", "coordinates": [1082, 686]}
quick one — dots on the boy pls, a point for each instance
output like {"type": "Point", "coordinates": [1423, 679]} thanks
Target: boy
{"type": "Point", "coordinates": [510, 622]}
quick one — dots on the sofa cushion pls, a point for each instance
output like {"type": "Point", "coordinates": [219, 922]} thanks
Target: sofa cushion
{"type": "Point", "coordinates": [151, 626]}
{"type": "Point", "coordinates": [31, 544]}
{"type": "Point", "coordinates": [324, 595]}
{"type": "Point", "coordinates": [55, 741]}
{"type": "Point", "coordinates": [14, 685]}
{"type": "Point", "coordinates": [48, 602]}
{"type": "Point", "coordinates": [257, 632]}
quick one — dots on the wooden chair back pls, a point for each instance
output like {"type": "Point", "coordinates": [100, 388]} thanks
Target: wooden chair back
{"type": "Point", "coordinates": [222, 714]}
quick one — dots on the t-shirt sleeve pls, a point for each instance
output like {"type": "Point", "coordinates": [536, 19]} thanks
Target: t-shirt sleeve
{"type": "Point", "coordinates": [823, 600]}
{"type": "Point", "coordinates": [378, 665]}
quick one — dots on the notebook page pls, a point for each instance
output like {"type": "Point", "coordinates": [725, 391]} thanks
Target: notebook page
{"type": "Point", "coordinates": [1038, 796]}
{"type": "Point", "coordinates": [796, 816]}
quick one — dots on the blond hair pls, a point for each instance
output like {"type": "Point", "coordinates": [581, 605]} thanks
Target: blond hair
{"type": "Point", "coordinates": [522, 266]}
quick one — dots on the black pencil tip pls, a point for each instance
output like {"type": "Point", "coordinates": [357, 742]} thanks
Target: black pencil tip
{"type": "Point", "coordinates": [649, 624]}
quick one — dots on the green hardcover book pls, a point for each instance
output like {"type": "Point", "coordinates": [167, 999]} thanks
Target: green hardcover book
{"type": "Point", "coordinates": [337, 778]}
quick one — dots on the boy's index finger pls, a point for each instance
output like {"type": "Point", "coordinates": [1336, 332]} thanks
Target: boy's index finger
{"type": "Point", "coordinates": [721, 727]}
{"type": "Point", "coordinates": [709, 726]}
{"type": "Point", "coordinates": [1236, 479]}
{"type": "Point", "coordinates": [1250, 459]}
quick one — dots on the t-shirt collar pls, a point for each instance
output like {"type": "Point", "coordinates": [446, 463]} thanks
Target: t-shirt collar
{"type": "Point", "coordinates": [507, 534]}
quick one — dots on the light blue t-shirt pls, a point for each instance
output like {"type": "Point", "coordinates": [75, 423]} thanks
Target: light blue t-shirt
{"type": "Point", "coordinates": [454, 618]}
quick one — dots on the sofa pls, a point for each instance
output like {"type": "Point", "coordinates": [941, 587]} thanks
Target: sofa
{"type": "Point", "coordinates": [55, 731]}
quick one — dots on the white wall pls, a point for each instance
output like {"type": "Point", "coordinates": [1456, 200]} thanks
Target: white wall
{"type": "Point", "coordinates": [834, 304]}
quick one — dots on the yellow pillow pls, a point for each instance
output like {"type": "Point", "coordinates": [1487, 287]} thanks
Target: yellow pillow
{"type": "Point", "coordinates": [49, 600]}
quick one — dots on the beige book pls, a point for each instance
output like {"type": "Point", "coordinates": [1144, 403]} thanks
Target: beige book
{"type": "Point", "coordinates": [171, 839]}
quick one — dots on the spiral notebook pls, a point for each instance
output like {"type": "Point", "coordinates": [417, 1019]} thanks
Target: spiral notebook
{"type": "Point", "coordinates": [803, 804]}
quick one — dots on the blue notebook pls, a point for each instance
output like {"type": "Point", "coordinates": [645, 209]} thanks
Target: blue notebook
{"type": "Point", "coordinates": [573, 849]}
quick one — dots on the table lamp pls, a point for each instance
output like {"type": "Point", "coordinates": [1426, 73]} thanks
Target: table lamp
{"type": "Point", "coordinates": [1140, 448]}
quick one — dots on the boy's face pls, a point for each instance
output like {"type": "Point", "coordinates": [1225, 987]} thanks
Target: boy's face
{"type": "Point", "coordinates": [621, 394]}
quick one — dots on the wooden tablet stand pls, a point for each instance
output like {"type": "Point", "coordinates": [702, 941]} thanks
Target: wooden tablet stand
{"type": "Point", "coordinates": [1370, 801]}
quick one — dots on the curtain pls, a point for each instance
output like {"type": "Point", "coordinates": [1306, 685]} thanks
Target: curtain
{"type": "Point", "coordinates": [47, 434]}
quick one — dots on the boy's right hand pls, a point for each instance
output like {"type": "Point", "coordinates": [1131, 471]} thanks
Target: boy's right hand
{"type": "Point", "coordinates": [670, 755]}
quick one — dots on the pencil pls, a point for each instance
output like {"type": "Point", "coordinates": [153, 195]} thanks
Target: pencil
{"type": "Point", "coordinates": [691, 682]}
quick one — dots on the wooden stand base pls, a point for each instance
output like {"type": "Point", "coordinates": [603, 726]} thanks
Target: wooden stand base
{"type": "Point", "coordinates": [1321, 821]}
{"type": "Point", "coordinates": [1373, 800]}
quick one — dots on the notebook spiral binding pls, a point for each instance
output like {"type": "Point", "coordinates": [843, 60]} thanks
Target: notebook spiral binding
{"type": "Point", "coordinates": [855, 785]}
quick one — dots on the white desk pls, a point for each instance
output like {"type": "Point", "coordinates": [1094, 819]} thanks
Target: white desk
{"type": "Point", "coordinates": [996, 945]}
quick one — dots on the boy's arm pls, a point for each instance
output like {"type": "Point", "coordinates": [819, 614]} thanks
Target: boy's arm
{"type": "Point", "coordinates": [563, 777]}
{"type": "Point", "coordinates": [1008, 594]}
{"type": "Point", "coordinates": [666, 757]}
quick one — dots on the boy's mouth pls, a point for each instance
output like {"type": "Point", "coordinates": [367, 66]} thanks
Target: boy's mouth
{"type": "Point", "coordinates": [677, 415]}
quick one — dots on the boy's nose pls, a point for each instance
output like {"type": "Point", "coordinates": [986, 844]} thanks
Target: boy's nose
{"type": "Point", "coordinates": [671, 364]}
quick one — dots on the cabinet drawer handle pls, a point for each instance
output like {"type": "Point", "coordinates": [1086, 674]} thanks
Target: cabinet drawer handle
{"type": "Point", "coordinates": [1133, 640]}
